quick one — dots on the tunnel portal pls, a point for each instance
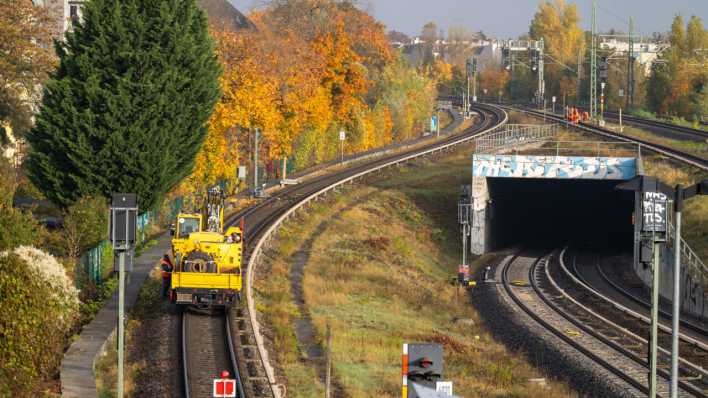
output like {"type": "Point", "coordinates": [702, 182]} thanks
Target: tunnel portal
{"type": "Point", "coordinates": [538, 211]}
{"type": "Point", "coordinates": [550, 201]}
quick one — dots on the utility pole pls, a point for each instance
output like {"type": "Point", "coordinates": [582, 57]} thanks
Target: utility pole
{"type": "Point", "coordinates": [123, 223]}
{"type": "Point", "coordinates": [541, 81]}
{"type": "Point", "coordinates": [593, 63]}
{"type": "Point", "coordinates": [255, 162]}
{"type": "Point", "coordinates": [602, 101]}
{"type": "Point", "coordinates": [121, 322]}
{"type": "Point", "coordinates": [680, 195]}
{"type": "Point", "coordinates": [580, 75]}
{"type": "Point", "coordinates": [630, 65]}
{"type": "Point", "coordinates": [474, 79]}
{"type": "Point", "coordinates": [437, 122]}
{"type": "Point", "coordinates": [654, 319]}
{"type": "Point", "coordinates": [467, 107]}
{"type": "Point", "coordinates": [653, 196]}
{"type": "Point", "coordinates": [676, 302]}
{"type": "Point", "coordinates": [512, 56]}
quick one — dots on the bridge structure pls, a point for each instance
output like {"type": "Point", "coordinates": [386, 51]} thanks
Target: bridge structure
{"type": "Point", "coordinates": [528, 188]}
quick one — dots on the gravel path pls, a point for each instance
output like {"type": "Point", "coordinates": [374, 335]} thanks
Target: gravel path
{"type": "Point", "coordinates": [155, 347]}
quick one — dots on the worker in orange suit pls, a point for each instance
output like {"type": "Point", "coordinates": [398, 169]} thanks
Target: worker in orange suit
{"type": "Point", "coordinates": [167, 267]}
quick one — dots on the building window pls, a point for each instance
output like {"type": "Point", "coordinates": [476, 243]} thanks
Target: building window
{"type": "Point", "coordinates": [74, 13]}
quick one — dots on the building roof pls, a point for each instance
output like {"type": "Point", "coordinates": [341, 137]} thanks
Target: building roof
{"type": "Point", "coordinates": [222, 12]}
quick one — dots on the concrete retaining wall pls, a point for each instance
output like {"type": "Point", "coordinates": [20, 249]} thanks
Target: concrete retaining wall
{"type": "Point", "coordinates": [694, 297]}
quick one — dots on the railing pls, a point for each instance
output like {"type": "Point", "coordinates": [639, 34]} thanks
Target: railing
{"type": "Point", "coordinates": [515, 134]}
{"type": "Point", "coordinates": [689, 259]}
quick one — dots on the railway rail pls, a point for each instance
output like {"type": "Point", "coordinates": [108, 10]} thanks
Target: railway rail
{"type": "Point", "coordinates": [609, 337]}
{"type": "Point", "coordinates": [664, 128]}
{"type": "Point", "coordinates": [593, 277]}
{"type": "Point", "coordinates": [698, 329]}
{"type": "Point", "coordinates": [681, 156]}
{"type": "Point", "coordinates": [251, 362]}
{"type": "Point", "coordinates": [693, 352]}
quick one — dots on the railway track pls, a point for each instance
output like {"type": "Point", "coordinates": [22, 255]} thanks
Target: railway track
{"type": "Point", "coordinates": [610, 339]}
{"type": "Point", "coordinates": [207, 350]}
{"type": "Point", "coordinates": [663, 128]}
{"type": "Point", "coordinates": [681, 156]}
{"type": "Point", "coordinates": [693, 352]}
{"type": "Point", "coordinates": [696, 327]}
{"type": "Point", "coordinates": [251, 362]}
{"type": "Point", "coordinates": [697, 331]}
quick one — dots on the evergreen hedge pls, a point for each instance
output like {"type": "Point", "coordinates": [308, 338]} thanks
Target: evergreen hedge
{"type": "Point", "coordinates": [126, 109]}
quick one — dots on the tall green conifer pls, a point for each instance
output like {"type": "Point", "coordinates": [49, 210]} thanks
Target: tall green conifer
{"type": "Point", "coordinates": [127, 108]}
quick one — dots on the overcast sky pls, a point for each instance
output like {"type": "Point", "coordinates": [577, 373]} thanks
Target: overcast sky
{"type": "Point", "coordinates": [509, 18]}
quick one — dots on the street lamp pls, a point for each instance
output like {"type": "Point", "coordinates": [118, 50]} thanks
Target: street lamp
{"type": "Point", "coordinates": [602, 102]}
{"type": "Point", "coordinates": [680, 195]}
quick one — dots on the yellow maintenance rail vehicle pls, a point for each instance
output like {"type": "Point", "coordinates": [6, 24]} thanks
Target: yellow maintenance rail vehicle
{"type": "Point", "coordinates": [207, 270]}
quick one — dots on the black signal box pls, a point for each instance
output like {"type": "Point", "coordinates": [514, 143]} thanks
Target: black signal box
{"type": "Point", "coordinates": [124, 219]}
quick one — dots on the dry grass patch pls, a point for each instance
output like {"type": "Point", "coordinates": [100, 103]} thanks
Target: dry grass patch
{"type": "Point", "coordinates": [378, 273]}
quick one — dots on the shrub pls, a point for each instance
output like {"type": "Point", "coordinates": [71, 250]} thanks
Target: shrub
{"type": "Point", "coordinates": [38, 308]}
{"type": "Point", "coordinates": [85, 225]}
{"type": "Point", "coordinates": [16, 227]}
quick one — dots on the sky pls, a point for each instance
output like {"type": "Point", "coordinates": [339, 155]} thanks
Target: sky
{"type": "Point", "coordinates": [510, 18]}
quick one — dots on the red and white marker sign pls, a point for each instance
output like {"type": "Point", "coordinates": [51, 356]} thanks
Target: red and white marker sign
{"type": "Point", "coordinates": [224, 388]}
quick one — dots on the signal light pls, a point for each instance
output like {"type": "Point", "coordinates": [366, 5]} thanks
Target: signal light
{"type": "Point", "coordinates": [425, 363]}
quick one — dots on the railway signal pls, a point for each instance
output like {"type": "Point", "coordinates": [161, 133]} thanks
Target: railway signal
{"type": "Point", "coordinates": [654, 195]}
{"type": "Point", "coordinates": [422, 368]}
{"type": "Point", "coordinates": [123, 223]}
{"type": "Point", "coordinates": [224, 387]}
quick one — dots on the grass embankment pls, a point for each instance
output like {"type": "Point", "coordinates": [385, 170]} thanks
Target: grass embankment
{"type": "Point", "coordinates": [691, 147]}
{"type": "Point", "coordinates": [679, 121]}
{"type": "Point", "coordinates": [377, 263]}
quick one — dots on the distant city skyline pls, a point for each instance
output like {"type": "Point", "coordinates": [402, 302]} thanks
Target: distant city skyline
{"type": "Point", "coordinates": [511, 18]}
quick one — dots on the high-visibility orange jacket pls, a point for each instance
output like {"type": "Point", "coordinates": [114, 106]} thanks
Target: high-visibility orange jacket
{"type": "Point", "coordinates": [166, 268]}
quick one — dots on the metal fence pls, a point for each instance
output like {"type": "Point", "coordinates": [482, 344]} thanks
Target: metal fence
{"type": "Point", "coordinates": [689, 259]}
{"type": "Point", "coordinates": [515, 135]}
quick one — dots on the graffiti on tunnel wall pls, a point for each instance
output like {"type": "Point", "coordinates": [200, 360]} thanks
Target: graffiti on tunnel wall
{"type": "Point", "coordinates": [575, 167]}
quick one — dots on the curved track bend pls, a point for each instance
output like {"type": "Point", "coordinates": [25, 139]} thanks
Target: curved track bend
{"type": "Point", "coordinates": [551, 297]}
{"type": "Point", "coordinates": [262, 220]}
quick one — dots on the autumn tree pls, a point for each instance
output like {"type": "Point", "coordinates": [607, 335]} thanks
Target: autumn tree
{"type": "Point", "coordinates": [494, 79]}
{"type": "Point", "coordinates": [127, 109]}
{"type": "Point", "coordinates": [677, 85]}
{"type": "Point", "coordinates": [458, 48]}
{"type": "Point", "coordinates": [677, 37]}
{"type": "Point", "coordinates": [310, 69]}
{"type": "Point", "coordinates": [696, 36]}
{"type": "Point", "coordinates": [429, 35]}
{"type": "Point", "coordinates": [27, 59]}
{"type": "Point", "coordinates": [556, 22]}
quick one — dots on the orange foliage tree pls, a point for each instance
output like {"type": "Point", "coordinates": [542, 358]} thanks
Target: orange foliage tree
{"type": "Point", "coordinates": [308, 70]}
